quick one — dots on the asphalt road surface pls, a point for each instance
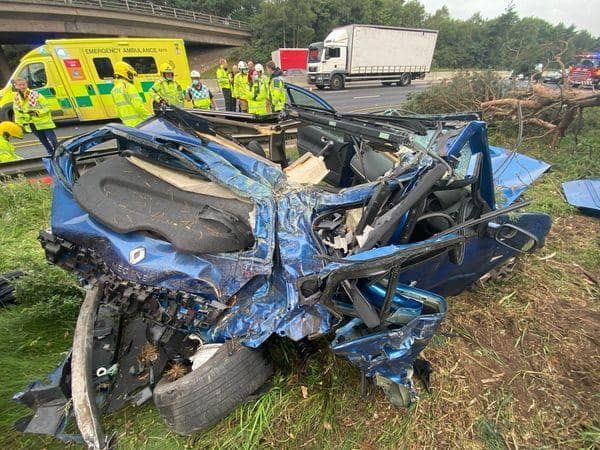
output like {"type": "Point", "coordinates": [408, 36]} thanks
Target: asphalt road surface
{"type": "Point", "coordinates": [359, 97]}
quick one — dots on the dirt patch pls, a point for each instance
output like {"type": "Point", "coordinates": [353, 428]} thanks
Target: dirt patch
{"type": "Point", "coordinates": [527, 347]}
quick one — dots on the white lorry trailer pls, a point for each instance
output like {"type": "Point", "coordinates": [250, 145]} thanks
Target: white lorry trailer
{"type": "Point", "coordinates": [370, 52]}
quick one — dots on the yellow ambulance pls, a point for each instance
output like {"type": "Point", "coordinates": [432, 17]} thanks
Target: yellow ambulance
{"type": "Point", "coordinates": [76, 75]}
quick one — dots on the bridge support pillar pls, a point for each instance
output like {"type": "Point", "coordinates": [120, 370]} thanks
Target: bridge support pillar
{"type": "Point", "coordinates": [5, 72]}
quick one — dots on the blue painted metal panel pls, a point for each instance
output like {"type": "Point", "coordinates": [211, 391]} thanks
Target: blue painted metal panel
{"type": "Point", "coordinates": [584, 194]}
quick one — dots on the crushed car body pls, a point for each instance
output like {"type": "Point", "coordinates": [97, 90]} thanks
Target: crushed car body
{"type": "Point", "coordinates": [186, 239]}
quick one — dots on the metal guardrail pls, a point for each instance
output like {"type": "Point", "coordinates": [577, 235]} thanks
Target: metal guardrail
{"type": "Point", "coordinates": [146, 8]}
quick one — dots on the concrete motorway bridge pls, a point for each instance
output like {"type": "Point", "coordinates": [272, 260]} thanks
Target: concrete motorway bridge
{"type": "Point", "coordinates": [34, 21]}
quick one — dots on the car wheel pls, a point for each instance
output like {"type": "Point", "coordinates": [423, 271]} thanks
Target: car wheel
{"type": "Point", "coordinates": [337, 82]}
{"type": "Point", "coordinates": [222, 378]}
{"type": "Point", "coordinates": [386, 83]}
{"type": "Point", "coordinates": [405, 79]}
{"type": "Point", "coordinates": [320, 87]}
{"type": "Point", "coordinates": [7, 289]}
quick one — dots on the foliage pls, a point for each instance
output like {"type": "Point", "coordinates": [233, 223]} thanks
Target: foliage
{"type": "Point", "coordinates": [236, 9]}
{"type": "Point", "coordinates": [545, 111]}
{"type": "Point", "coordinates": [506, 42]}
{"type": "Point", "coordinates": [14, 53]}
{"type": "Point", "coordinates": [463, 92]}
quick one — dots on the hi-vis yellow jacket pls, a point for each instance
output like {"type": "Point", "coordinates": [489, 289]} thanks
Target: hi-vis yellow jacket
{"type": "Point", "coordinates": [276, 94]}
{"type": "Point", "coordinates": [240, 86]}
{"type": "Point", "coordinates": [223, 78]}
{"type": "Point", "coordinates": [259, 93]}
{"type": "Point", "coordinates": [7, 151]}
{"type": "Point", "coordinates": [168, 90]}
{"type": "Point", "coordinates": [130, 107]}
{"type": "Point", "coordinates": [32, 109]}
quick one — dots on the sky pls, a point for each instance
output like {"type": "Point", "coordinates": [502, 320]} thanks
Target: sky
{"type": "Point", "coordinates": [584, 14]}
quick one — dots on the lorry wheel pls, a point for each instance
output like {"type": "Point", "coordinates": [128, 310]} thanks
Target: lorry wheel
{"type": "Point", "coordinates": [337, 82]}
{"type": "Point", "coordinates": [225, 377]}
{"type": "Point", "coordinates": [405, 79]}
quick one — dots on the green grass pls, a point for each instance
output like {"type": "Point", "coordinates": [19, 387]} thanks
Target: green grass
{"type": "Point", "coordinates": [515, 366]}
{"type": "Point", "coordinates": [34, 335]}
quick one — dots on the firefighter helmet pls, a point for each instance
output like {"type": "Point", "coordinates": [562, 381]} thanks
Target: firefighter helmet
{"type": "Point", "coordinates": [166, 68]}
{"type": "Point", "coordinates": [124, 70]}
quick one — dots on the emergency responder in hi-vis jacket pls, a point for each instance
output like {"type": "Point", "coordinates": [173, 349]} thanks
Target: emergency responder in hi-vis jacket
{"type": "Point", "coordinates": [276, 88]}
{"type": "Point", "coordinates": [242, 90]}
{"type": "Point", "coordinates": [234, 72]}
{"type": "Point", "coordinates": [9, 130]}
{"type": "Point", "coordinates": [32, 113]}
{"type": "Point", "coordinates": [167, 90]}
{"type": "Point", "coordinates": [199, 94]}
{"type": "Point", "coordinates": [224, 79]}
{"type": "Point", "coordinates": [259, 92]}
{"type": "Point", "coordinates": [130, 106]}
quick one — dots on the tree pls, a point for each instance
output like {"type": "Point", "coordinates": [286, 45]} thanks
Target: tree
{"type": "Point", "coordinates": [504, 42]}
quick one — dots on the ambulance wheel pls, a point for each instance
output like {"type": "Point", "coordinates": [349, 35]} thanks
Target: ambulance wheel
{"type": "Point", "coordinates": [226, 376]}
{"type": "Point", "coordinates": [7, 113]}
{"type": "Point", "coordinates": [337, 82]}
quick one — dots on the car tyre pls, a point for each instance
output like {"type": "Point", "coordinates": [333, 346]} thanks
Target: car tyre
{"type": "Point", "coordinates": [337, 82]}
{"type": "Point", "coordinates": [225, 377]}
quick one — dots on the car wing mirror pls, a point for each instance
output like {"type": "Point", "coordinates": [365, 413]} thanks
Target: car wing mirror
{"type": "Point", "coordinates": [515, 238]}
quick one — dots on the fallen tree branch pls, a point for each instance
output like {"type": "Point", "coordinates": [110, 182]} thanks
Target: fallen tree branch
{"type": "Point", "coordinates": [540, 123]}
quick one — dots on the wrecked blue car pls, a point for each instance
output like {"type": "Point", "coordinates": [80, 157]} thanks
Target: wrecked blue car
{"type": "Point", "coordinates": [196, 251]}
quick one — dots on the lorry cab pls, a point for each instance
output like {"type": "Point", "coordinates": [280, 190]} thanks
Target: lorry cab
{"type": "Point", "coordinates": [328, 60]}
{"type": "Point", "coordinates": [315, 51]}
{"type": "Point", "coordinates": [390, 55]}
{"type": "Point", "coordinates": [76, 75]}
{"type": "Point", "coordinates": [586, 70]}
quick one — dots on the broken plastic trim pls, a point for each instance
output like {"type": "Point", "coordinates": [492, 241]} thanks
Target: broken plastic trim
{"type": "Point", "coordinates": [82, 388]}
